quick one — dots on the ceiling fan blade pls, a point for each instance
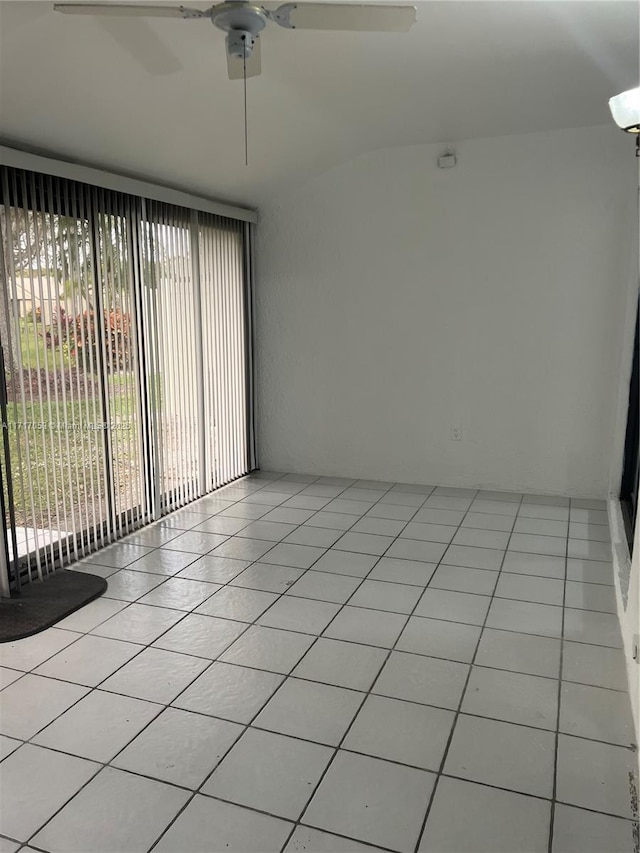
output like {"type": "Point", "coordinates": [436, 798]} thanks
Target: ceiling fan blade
{"type": "Point", "coordinates": [130, 10]}
{"type": "Point", "coordinates": [345, 16]}
{"type": "Point", "coordinates": [235, 65]}
{"type": "Point", "coordinates": [138, 39]}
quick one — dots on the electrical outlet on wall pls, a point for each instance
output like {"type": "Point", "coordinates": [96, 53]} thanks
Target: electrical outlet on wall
{"type": "Point", "coordinates": [456, 433]}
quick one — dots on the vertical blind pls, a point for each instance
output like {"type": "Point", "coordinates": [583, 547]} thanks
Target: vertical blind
{"type": "Point", "coordinates": [126, 380]}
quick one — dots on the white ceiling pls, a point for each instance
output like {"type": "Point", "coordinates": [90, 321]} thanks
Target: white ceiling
{"type": "Point", "coordinates": [468, 68]}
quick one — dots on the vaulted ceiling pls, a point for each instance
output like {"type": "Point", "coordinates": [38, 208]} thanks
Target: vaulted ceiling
{"type": "Point", "coordinates": [151, 98]}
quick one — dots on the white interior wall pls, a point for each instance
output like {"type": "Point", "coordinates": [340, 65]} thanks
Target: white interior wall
{"type": "Point", "coordinates": [396, 300]}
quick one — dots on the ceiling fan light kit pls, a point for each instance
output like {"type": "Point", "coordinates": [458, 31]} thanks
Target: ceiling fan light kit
{"type": "Point", "coordinates": [243, 22]}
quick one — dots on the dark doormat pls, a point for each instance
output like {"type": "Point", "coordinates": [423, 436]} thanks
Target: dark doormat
{"type": "Point", "coordinates": [43, 603]}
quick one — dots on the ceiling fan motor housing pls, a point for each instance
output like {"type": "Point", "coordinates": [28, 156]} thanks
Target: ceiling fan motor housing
{"type": "Point", "coordinates": [243, 23]}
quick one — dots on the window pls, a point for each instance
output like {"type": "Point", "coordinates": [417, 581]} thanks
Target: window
{"type": "Point", "coordinates": [630, 471]}
{"type": "Point", "coordinates": [126, 376]}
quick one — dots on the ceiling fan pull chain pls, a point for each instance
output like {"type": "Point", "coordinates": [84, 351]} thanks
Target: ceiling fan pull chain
{"type": "Point", "coordinates": [246, 132]}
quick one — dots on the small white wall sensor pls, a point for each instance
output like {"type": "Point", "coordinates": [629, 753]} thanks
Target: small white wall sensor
{"type": "Point", "coordinates": [447, 161]}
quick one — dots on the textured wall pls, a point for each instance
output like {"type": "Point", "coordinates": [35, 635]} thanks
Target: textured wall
{"type": "Point", "coordinates": [396, 301]}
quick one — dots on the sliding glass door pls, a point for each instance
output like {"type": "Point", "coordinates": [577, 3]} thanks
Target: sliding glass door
{"type": "Point", "coordinates": [125, 382]}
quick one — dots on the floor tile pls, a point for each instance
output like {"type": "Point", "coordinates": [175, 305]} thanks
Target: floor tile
{"type": "Point", "coordinates": [179, 747]}
{"type": "Point", "coordinates": [474, 558]}
{"type": "Point", "coordinates": [584, 549]}
{"type": "Point", "coordinates": [379, 526]}
{"type": "Point", "coordinates": [341, 664]}
{"type": "Point", "coordinates": [271, 531]}
{"type": "Point", "coordinates": [579, 831]}
{"type": "Point", "coordinates": [443, 533]}
{"type": "Point", "coordinates": [355, 493]}
{"type": "Point", "coordinates": [589, 516]}
{"type": "Point", "coordinates": [415, 488]}
{"type": "Point", "coordinates": [546, 500]}
{"type": "Point", "coordinates": [208, 824]}
{"type": "Point", "coordinates": [310, 711]}
{"type": "Point", "coordinates": [447, 502]}
{"type": "Point", "coordinates": [354, 796]}
{"type": "Point", "coordinates": [541, 526]}
{"type": "Point", "coordinates": [180, 594]}
{"type": "Point", "coordinates": [492, 495]}
{"type": "Point", "coordinates": [28, 653]}
{"type": "Point", "coordinates": [139, 623]}
{"type": "Point", "coordinates": [525, 617]}
{"type": "Point", "coordinates": [7, 746]}
{"type": "Point", "coordinates": [242, 510]}
{"type": "Point", "coordinates": [454, 492]}
{"type": "Point", "coordinates": [488, 521]}
{"type": "Point", "coordinates": [331, 520]}
{"type": "Point", "coordinates": [363, 543]}
{"type": "Point", "coordinates": [519, 653]}
{"type": "Point", "coordinates": [8, 676]}
{"type": "Point", "coordinates": [318, 537]}
{"type": "Point", "coordinates": [348, 507]}
{"type": "Point", "coordinates": [29, 798]}
{"type": "Point", "coordinates": [380, 595]}
{"type": "Point", "coordinates": [494, 507]}
{"type": "Point", "coordinates": [268, 648]}
{"type": "Point", "coordinates": [346, 563]}
{"type": "Point", "coordinates": [530, 588]}
{"type": "Point", "coordinates": [89, 661]}
{"type": "Point", "coordinates": [412, 549]}
{"type": "Point", "coordinates": [378, 485]}
{"type": "Point", "coordinates": [307, 502]}
{"type": "Point", "coordinates": [459, 579]}
{"type": "Point", "coordinates": [590, 571]}
{"type": "Point", "coordinates": [393, 512]}
{"type": "Point", "coordinates": [401, 731]}
{"type": "Point", "coordinates": [593, 532]}
{"type": "Point", "coordinates": [231, 692]}
{"type": "Point", "coordinates": [322, 491]}
{"type": "Point", "coordinates": [305, 838]}
{"type": "Point", "coordinates": [413, 572]}
{"type": "Point", "coordinates": [594, 775]}
{"type": "Point", "coordinates": [195, 542]}
{"type": "Point", "coordinates": [439, 639]}
{"type": "Point", "coordinates": [152, 536]}
{"type": "Point", "coordinates": [91, 615]}
{"type": "Point", "coordinates": [335, 481]}
{"type": "Point", "coordinates": [324, 586]}
{"type": "Point", "coordinates": [591, 596]}
{"type": "Point", "coordinates": [512, 697]}
{"type": "Point", "coordinates": [93, 568]}
{"type": "Point", "coordinates": [227, 526]}
{"type": "Point", "coordinates": [217, 570]}
{"type": "Point", "coordinates": [127, 585]}
{"type": "Point", "coordinates": [98, 726]}
{"type": "Point", "coordinates": [534, 564]}
{"type": "Point", "coordinates": [369, 627]}
{"type": "Point", "coordinates": [117, 822]}
{"type": "Point", "coordinates": [163, 562]}
{"type": "Point", "coordinates": [503, 755]}
{"type": "Point", "coordinates": [268, 498]}
{"type": "Point", "coordinates": [243, 605]}
{"type": "Point", "coordinates": [453, 606]}
{"type": "Point", "coordinates": [598, 629]}
{"type": "Point", "coordinates": [289, 515]}
{"type": "Point", "coordinates": [477, 538]}
{"type": "Point", "coordinates": [32, 702]}
{"type": "Point", "coordinates": [595, 665]}
{"type": "Point", "coordinates": [554, 546]}
{"type": "Point", "coordinates": [553, 513]}
{"type": "Point", "coordinates": [243, 549]}
{"type": "Point", "coordinates": [184, 520]}
{"type": "Point", "coordinates": [264, 577]}
{"type": "Point", "coordinates": [402, 498]}
{"type": "Point", "coordinates": [432, 515]}
{"type": "Point", "coordinates": [299, 614]}
{"type": "Point", "coordinates": [296, 556]}
{"type": "Point", "coordinates": [269, 772]}
{"type": "Point", "coordinates": [156, 675]}
{"type": "Point", "coordinates": [117, 556]}
{"type": "Point", "coordinates": [596, 713]}
{"type": "Point", "coordinates": [585, 503]}
{"type": "Point", "coordinates": [469, 818]}
{"type": "Point", "coordinates": [426, 680]}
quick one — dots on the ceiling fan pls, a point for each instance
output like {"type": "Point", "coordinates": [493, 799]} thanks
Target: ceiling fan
{"type": "Point", "coordinates": [244, 21]}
